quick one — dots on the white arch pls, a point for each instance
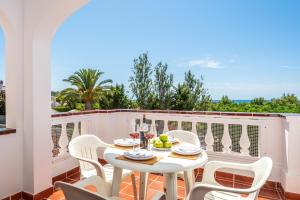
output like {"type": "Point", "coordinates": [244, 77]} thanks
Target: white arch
{"type": "Point", "coordinates": [41, 27]}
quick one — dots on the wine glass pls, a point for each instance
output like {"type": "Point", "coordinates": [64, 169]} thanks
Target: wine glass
{"type": "Point", "coordinates": [149, 136]}
{"type": "Point", "coordinates": [134, 134]}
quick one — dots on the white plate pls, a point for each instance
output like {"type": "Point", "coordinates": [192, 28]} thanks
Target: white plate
{"type": "Point", "coordinates": [139, 155]}
{"type": "Point", "coordinates": [187, 150]}
{"type": "Point", "coordinates": [161, 149]}
{"type": "Point", "coordinates": [127, 142]}
{"type": "Point", "coordinates": [173, 140]}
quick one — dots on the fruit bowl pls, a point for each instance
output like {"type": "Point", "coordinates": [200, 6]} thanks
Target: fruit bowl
{"type": "Point", "coordinates": [161, 149]}
{"type": "Point", "coordinates": [162, 143]}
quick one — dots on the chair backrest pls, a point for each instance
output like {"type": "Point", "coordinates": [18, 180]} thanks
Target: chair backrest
{"type": "Point", "coordinates": [81, 189]}
{"type": "Point", "coordinates": [85, 146]}
{"type": "Point", "coordinates": [262, 170]}
{"type": "Point", "coordinates": [185, 136]}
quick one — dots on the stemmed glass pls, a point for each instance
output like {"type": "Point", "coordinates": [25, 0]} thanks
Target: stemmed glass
{"type": "Point", "coordinates": [149, 136]}
{"type": "Point", "coordinates": [134, 134]}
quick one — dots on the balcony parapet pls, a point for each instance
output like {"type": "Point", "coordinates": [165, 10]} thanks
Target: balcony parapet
{"type": "Point", "coordinates": [244, 114]}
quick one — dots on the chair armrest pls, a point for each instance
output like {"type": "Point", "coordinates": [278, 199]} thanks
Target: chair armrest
{"type": "Point", "coordinates": [212, 166]}
{"type": "Point", "coordinates": [75, 192]}
{"type": "Point", "coordinates": [201, 189]}
{"type": "Point", "coordinates": [95, 164]}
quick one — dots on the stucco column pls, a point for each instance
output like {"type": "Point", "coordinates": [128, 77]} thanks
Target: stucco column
{"type": "Point", "coordinates": [291, 171]}
{"type": "Point", "coordinates": [42, 18]}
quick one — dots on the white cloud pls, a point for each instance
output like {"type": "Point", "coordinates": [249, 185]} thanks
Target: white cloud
{"type": "Point", "coordinates": [205, 63]}
{"type": "Point", "coordinates": [284, 67]}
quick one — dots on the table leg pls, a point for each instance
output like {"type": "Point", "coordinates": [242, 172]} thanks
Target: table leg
{"type": "Point", "coordinates": [189, 181]}
{"type": "Point", "coordinates": [171, 186]}
{"type": "Point", "coordinates": [116, 182]}
{"type": "Point", "coordinates": [143, 185]}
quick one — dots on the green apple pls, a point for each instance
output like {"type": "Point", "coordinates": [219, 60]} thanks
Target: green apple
{"type": "Point", "coordinates": [163, 137]}
{"type": "Point", "coordinates": [156, 140]}
{"type": "Point", "coordinates": [152, 141]}
{"type": "Point", "coordinates": [167, 144]}
{"type": "Point", "coordinates": [159, 144]}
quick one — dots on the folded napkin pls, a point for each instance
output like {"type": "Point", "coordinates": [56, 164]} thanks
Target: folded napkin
{"type": "Point", "coordinates": [139, 154]}
{"type": "Point", "coordinates": [187, 148]}
{"type": "Point", "coordinates": [151, 161]}
{"type": "Point", "coordinates": [121, 147]}
{"type": "Point", "coordinates": [188, 157]}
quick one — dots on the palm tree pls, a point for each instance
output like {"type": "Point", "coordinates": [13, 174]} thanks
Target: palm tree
{"type": "Point", "coordinates": [88, 87]}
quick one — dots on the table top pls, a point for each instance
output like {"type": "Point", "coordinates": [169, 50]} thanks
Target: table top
{"type": "Point", "coordinates": [165, 165]}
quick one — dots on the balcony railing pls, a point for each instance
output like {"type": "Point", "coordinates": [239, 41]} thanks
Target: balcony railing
{"type": "Point", "coordinates": [238, 135]}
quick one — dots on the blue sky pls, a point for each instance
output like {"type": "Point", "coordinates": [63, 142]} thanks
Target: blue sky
{"type": "Point", "coordinates": [244, 49]}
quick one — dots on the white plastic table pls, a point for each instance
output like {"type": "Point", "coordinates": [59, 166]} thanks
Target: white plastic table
{"type": "Point", "coordinates": [167, 165]}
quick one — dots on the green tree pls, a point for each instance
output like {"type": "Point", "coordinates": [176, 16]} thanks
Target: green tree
{"type": "Point", "coordinates": [140, 81]}
{"type": "Point", "coordinates": [225, 101]}
{"type": "Point", "coordinates": [258, 101]}
{"type": "Point", "coordinates": [191, 94]}
{"type": "Point", "coordinates": [163, 86]}
{"type": "Point", "coordinates": [88, 87]}
{"type": "Point", "coordinates": [68, 98]}
{"type": "Point", "coordinates": [116, 98]}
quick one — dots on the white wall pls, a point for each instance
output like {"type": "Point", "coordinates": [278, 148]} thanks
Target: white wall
{"type": "Point", "coordinates": [29, 26]}
{"type": "Point", "coordinates": [11, 145]}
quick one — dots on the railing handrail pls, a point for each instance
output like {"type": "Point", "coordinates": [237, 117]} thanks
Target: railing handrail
{"type": "Point", "coordinates": [241, 114]}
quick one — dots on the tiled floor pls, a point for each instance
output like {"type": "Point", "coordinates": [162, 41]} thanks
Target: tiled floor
{"type": "Point", "coordinates": [155, 184]}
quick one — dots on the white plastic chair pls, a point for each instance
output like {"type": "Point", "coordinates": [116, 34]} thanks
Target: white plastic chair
{"type": "Point", "coordinates": [84, 148]}
{"type": "Point", "coordinates": [78, 191]}
{"type": "Point", "coordinates": [186, 137]}
{"type": "Point", "coordinates": [209, 189]}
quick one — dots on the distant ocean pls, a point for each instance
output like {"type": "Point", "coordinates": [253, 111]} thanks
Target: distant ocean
{"type": "Point", "coordinates": [236, 101]}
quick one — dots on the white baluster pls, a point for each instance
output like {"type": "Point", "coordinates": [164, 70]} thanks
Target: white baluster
{"type": "Point", "coordinates": [76, 130]}
{"type": "Point", "coordinates": [166, 128]}
{"type": "Point", "coordinates": [84, 127]}
{"type": "Point", "coordinates": [194, 127]}
{"type": "Point", "coordinates": [244, 141]}
{"type": "Point", "coordinates": [153, 125]}
{"type": "Point", "coordinates": [179, 125]}
{"type": "Point", "coordinates": [63, 139]}
{"type": "Point", "coordinates": [226, 140]}
{"type": "Point", "coordinates": [209, 139]}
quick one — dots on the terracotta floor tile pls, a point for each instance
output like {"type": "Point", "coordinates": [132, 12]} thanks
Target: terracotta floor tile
{"type": "Point", "coordinates": [160, 178]}
{"type": "Point", "coordinates": [241, 185]}
{"type": "Point", "coordinates": [137, 174]}
{"type": "Point", "coordinates": [151, 193]}
{"type": "Point", "coordinates": [127, 179]}
{"type": "Point", "coordinates": [199, 178]}
{"type": "Point", "coordinates": [126, 196]}
{"type": "Point", "coordinates": [152, 177]}
{"type": "Point", "coordinates": [225, 182]}
{"type": "Point", "coordinates": [269, 194]}
{"type": "Point", "coordinates": [127, 190]}
{"type": "Point", "coordinates": [157, 185]}
{"type": "Point", "coordinates": [180, 183]}
{"type": "Point", "coordinates": [180, 192]}
{"type": "Point", "coordinates": [123, 186]}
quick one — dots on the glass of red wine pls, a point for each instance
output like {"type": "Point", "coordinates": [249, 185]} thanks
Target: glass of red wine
{"type": "Point", "coordinates": [134, 134]}
{"type": "Point", "coordinates": [149, 136]}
